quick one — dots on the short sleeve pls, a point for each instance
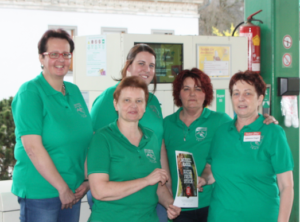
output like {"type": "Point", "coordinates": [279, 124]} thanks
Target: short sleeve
{"type": "Point", "coordinates": [222, 120]}
{"type": "Point", "coordinates": [165, 127]}
{"type": "Point", "coordinates": [166, 133]}
{"type": "Point", "coordinates": [27, 109]}
{"type": "Point", "coordinates": [212, 149]}
{"type": "Point", "coordinates": [157, 105]}
{"type": "Point", "coordinates": [98, 159]}
{"type": "Point", "coordinates": [281, 156]}
{"type": "Point", "coordinates": [103, 112]}
{"type": "Point", "coordinates": [209, 156]}
{"type": "Point", "coordinates": [158, 150]}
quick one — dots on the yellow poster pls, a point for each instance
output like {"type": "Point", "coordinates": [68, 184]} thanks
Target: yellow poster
{"type": "Point", "coordinates": [214, 60]}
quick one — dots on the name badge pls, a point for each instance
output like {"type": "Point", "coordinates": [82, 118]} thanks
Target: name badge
{"type": "Point", "coordinates": [252, 137]}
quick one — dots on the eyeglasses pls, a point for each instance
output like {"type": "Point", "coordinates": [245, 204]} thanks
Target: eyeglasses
{"type": "Point", "coordinates": [55, 55]}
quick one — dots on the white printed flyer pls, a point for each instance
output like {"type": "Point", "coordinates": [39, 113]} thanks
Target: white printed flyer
{"type": "Point", "coordinates": [187, 179]}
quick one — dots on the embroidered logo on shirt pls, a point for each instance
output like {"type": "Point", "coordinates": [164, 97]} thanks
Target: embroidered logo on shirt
{"type": "Point", "coordinates": [150, 155]}
{"type": "Point", "coordinates": [201, 133]}
{"type": "Point", "coordinates": [255, 145]}
{"type": "Point", "coordinates": [79, 109]}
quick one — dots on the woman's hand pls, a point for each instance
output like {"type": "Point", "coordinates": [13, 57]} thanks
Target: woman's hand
{"type": "Point", "coordinates": [67, 198]}
{"type": "Point", "coordinates": [173, 211]}
{"type": "Point", "coordinates": [201, 183]}
{"type": "Point", "coordinates": [157, 175]}
{"type": "Point", "coordinates": [269, 119]}
{"type": "Point", "coordinates": [82, 190]}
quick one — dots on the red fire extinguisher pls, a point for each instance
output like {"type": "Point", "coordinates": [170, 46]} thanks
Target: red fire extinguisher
{"type": "Point", "coordinates": [253, 33]}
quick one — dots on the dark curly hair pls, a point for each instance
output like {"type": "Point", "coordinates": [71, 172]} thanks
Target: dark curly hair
{"type": "Point", "coordinates": [198, 76]}
{"type": "Point", "coordinates": [52, 33]}
{"type": "Point", "coordinates": [250, 77]}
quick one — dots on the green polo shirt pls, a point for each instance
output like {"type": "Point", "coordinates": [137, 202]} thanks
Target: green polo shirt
{"type": "Point", "coordinates": [198, 138]}
{"type": "Point", "coordinates": [245, 172]}
{"type": "Point", "coordinates": [66, 129]}
{"type": "Point", "coordinates": [103, 112]}
{"type": "Point", "coordinates": [110, 152]}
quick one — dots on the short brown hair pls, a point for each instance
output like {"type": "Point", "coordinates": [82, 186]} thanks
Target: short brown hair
{"type": "Point", "coordinates": [52, 33]}
{"type": "Point", "coordinates": [198, 76]}
{"type": "Point", "coordinates": [131, 56]}
{"type": "Point", "coordinates": [134, 82]}
{"type": "Point", "coordinates": [250, 77]}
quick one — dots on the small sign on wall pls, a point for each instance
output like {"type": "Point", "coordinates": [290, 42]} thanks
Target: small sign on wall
{"type": "Point", "coordinates": [287, 41]}
{"type": "Point", "coordinates": [287, 60]}
{"type": "Point", "coordinates": [96, 55]}
{"type": "Point", "coordinates": [220, 100]}
{"type": "Point", "coordinates": [214, 60]}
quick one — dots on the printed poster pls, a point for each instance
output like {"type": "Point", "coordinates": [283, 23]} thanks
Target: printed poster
{"type": "Point", "coordinates": [96, 55]}
{"type": "Point", "coordinates": [187, 192]}
{"type": "Point", "coordinates": [214, 60]}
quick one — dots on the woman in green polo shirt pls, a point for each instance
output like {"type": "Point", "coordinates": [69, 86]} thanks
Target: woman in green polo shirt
{"type": "Point", "coordinates": [191, 129]}
{"type": "Point", "coordinates": [53, 131]}
{"type": "Point", "coordinates": [250, 163]}
{"type": "Point", "coordinates": [124, 163]}
{"type": "Point", "coordinates": [140, 62]}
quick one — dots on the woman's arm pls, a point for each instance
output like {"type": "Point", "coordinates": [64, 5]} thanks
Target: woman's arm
{"type": "Point", "coordinates": [165, 198]}
{"type": "Point", "coordinates": [286, 188]}
{"type": "Point", "coordinates": [165, 165]}
{"type": "Point", "coordinates": [43, 163]}
{"type": "Point", "coordinates": [206, 177]}
{"type": "Point", "coordinates": [105, 190]}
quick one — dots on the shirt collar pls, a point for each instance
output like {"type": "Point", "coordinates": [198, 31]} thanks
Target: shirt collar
{"type": "Point", "coordinates": [205, 114]}
{"type": "Point", "coordinates": [114, 127]}
{"type": "Point", "coordinates": [257, 124]}
{"type": "Point", "coordinates": [48, 88]}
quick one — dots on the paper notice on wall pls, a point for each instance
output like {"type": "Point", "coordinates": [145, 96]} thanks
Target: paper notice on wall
{"type": "Point", "coordinates": [214, 60]}
{"type": "Point", "coordinates": [96, 55]}
{"type": "Point", "coordinates": [187, 179]}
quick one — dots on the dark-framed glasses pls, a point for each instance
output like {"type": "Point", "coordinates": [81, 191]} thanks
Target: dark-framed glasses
{"type": "Point", "coordinates": [55, 55]}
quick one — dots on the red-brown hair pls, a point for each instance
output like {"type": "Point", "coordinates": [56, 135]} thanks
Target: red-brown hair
{"type": "Point", "coordinates": [134, 82]}
{"type": "Point", "coordinates": [250, 77]}
{"type": "Point", "coordinates": [198, 76]}
{"type": "Point", "coordinates": [131, 56]}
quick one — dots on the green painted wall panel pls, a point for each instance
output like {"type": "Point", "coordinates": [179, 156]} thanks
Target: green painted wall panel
{"type": "Point", "coordinates": [280, 17]}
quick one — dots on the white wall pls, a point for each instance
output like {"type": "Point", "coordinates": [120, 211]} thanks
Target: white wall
{"type": "Point", "coordinates": [22, 29]}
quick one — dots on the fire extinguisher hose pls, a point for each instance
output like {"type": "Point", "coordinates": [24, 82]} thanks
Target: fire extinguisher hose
{"type": "Point", "coordinates": [237, 28]}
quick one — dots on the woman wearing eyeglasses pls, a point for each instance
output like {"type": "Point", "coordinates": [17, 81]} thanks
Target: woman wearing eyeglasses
{"type": "Point", "coordinates": [53, 131]}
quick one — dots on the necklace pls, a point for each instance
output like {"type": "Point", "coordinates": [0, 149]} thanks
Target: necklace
{"type": "Point", "coordinates": [183, 124]}
{"type": "Point", "coordinates": [184, 133]}
{"type": "Point", "coordinates": [63, 90]}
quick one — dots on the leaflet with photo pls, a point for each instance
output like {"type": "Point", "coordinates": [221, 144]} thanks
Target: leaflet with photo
{"type": "Point", "coordinates": [187, 179]}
